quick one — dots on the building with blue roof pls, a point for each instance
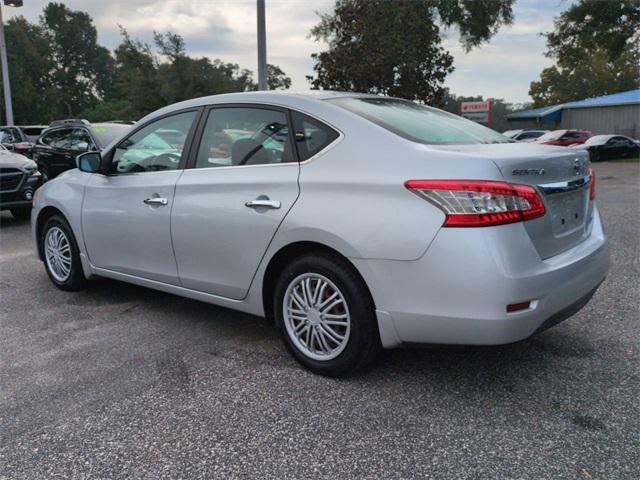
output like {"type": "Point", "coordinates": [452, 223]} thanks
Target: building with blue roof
{"type": "Point", "coordinates": [618, 113]}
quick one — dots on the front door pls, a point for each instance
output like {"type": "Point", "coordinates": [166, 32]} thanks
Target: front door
{"type": "Point", "coordinates": [228, 207]}
{"type": "Point", "coordinates": [126, 215]}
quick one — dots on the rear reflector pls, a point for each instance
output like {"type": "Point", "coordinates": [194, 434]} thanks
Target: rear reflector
{"type": "Point", "coordinates": [480, 203]}
{"type": "Point", "coordinates": [515, 307]}
{"type": "Point", "coordinates": [592, 186]}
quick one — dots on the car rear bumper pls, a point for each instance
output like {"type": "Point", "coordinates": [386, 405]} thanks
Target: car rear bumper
{"type": "Point", "coordinates": [457, 293]}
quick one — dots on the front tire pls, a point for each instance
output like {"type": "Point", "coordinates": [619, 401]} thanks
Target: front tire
{"type": "Point", "coordinates": [61, 255]}
{"type": "Point", "coordinates": [325, 315]}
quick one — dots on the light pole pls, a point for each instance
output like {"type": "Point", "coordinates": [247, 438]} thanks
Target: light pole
{"type": "Point", "coordinates": [262, 48]}
{"type": "Point", "coordinates": [5, 64]}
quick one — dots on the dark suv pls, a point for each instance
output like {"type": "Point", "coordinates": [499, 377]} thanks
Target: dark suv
{"type": "Point", "coordinates": [57, 148]}
{"type": "Point", "coordinates": [19, 179]}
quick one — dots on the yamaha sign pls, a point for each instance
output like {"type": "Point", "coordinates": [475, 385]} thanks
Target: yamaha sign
{"type": "Point", "coordinates": [480, 112]}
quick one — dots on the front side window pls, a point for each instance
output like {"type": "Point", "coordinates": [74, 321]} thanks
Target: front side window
{"type": "Point", "coordinates": [79, 141]}
{"type": "Point", "coordinates": [57, 138]}
{"type": "Point", "coordinates": [156, 147]}
{"type": "Point", "coordinates": [316, 135]}
{"type": "Point", "coordinates": [419, 123]}
{"type": "Point", "coordinates": [237, 136]}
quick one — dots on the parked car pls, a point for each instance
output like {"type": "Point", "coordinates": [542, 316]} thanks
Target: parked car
{"type": "Point", "coordinates": [57, 147]}
{"type": "Point", "coordinates": [529, 135]}
{"type": "Point", "coordinates": [355, 221]}
{"type": "Point", "coordinates": [32, 132]}
{"type": "Point", "coordinates": [15, 139]}
{"type": "Point", "coordinates": [19, 179]}
{"type": "Point", "coordinates": [564, 138]}
{"type": "Point", "coordinates": [523, 135]}
{"type": "Point", "coordinates": [610, 147]}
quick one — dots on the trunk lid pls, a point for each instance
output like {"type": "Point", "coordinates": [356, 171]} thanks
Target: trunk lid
{"type": "Point", "coordinates": [561, 176]}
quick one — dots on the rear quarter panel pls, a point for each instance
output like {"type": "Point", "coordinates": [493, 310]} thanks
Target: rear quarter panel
{"type": "Point", "coordinates": [353, 199]}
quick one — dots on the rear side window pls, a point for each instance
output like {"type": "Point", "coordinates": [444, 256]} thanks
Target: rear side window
{"type": "Point", "coordinates": [316, 134]}
{"type": "Point", "coordinates": [32, 131]}
{"type": "Point", "coordinates": [419, 123]}
{"type": "Point", "coordinates": [238, 136]}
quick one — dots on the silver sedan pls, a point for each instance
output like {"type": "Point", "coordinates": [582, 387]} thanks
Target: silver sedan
{"type": "Point", "coordinates": [356, 222]}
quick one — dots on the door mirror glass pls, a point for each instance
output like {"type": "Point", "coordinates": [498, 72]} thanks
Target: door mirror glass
{"type": "Point", "coordinates": [89, 162]}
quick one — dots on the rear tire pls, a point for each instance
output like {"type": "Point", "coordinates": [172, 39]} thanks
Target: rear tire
{"type": "Point", "coordinates": [328, 340]}
{"type": "Point", "coordinates": [21, 213]}
{"type": "Point", "coordinates": [61, 255]}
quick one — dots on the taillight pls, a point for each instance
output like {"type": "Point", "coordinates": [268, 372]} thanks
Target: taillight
{"type": "Point", "coordinates": [22, 145]}
{"type": "Point", "coordinates": [480, 203]}
{"type": "Point", "coordinates": [592, 185]}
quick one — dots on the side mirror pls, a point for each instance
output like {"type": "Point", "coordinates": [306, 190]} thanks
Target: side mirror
{"type": "Point", "coordinates": [89, 162]}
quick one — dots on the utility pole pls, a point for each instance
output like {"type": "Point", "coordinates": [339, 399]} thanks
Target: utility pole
{"type": "Point", "coordinates": [5, 74]}
{"type": "Point", "coordinates": [262, 48]}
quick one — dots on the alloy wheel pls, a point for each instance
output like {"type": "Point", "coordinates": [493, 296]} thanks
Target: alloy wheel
{"type": "Point", "coordinates": [316, 316]}
{"type": "Point", "coordinates": [58, 253]}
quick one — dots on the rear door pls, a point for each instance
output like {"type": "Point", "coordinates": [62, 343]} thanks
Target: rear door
{"type": "Point", "coordinates": [126, 215]}
{"type": "Point", "coordinates": [242, 182]}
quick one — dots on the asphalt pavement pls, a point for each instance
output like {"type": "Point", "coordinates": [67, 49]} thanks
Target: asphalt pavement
{"type": "Point", "coordinates": [119, 381]}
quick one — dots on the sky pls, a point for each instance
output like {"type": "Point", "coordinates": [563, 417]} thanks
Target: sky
{"type": "Point", "coordinates": [501, 68]}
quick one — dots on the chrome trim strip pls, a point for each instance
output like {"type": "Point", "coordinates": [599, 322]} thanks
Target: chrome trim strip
{"type": "Point", "coordinates": [563, 187]}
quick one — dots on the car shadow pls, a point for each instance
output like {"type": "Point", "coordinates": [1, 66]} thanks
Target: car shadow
{"type": "Point", "coordinates": [8, 221]}
{"type": "Point", "coordinates": [479, 369]}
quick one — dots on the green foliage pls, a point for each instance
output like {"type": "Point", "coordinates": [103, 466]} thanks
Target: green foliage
{"type": "Point", "coordinates": [58, 70]}
{"type": "Point", "coordinates": [611, 26]}
{"type": "Point", "coordinates": [30, 67]}
{"type": "Point", "coordinates": [82, 69]}
{"type": "Point", "coordinates": [596, 46]}
{"type": "Point", "coordinates": [276, 78]}
{"type": "Point", "coordinates": [394, 47]}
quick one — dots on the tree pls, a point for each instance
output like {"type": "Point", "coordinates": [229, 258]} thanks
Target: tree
{"type": "Point", "coordinates": [58, 70]}
{"type": "Point", "coordinates": [82, 70]}
{"type": "Point", "coordinates": [596, 46]}
{"type": "Point", "coordinates": [30, 65]}
{"type": "Point", "coordinates": [394, 47]}
{"type": "Point", "coordinates": [276, 78]}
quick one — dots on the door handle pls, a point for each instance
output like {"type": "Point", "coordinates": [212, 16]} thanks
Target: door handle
{"type": "Point", "coordinates": [156, 201]}
{"type": "Point", "coordinates": [275, 204]}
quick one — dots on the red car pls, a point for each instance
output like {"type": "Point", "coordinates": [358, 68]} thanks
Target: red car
{"type": "Point", "coordinates": [564, 138]}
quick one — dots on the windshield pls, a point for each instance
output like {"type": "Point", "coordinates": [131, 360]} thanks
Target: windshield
{"type": "Point", "coordinates": [598, 139]}
{"type": "Point", "coordinates": [8, 135]}
{"type": "Point", "coordinates": [511, 133]}
{"type": "Point", "coordinates": [556, 134]}
{"type": "Point", "coordinates": [419, 123]}
{"type": "Point", "coordinates": [106, 133]}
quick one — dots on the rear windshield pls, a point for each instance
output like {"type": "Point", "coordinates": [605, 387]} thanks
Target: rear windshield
{"type": "Point", "coordinates": [106, 133]}
{"type": "Point", "coordinates": [556, 134]}
{"type": "Point", "coordinates": [419, 123]}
